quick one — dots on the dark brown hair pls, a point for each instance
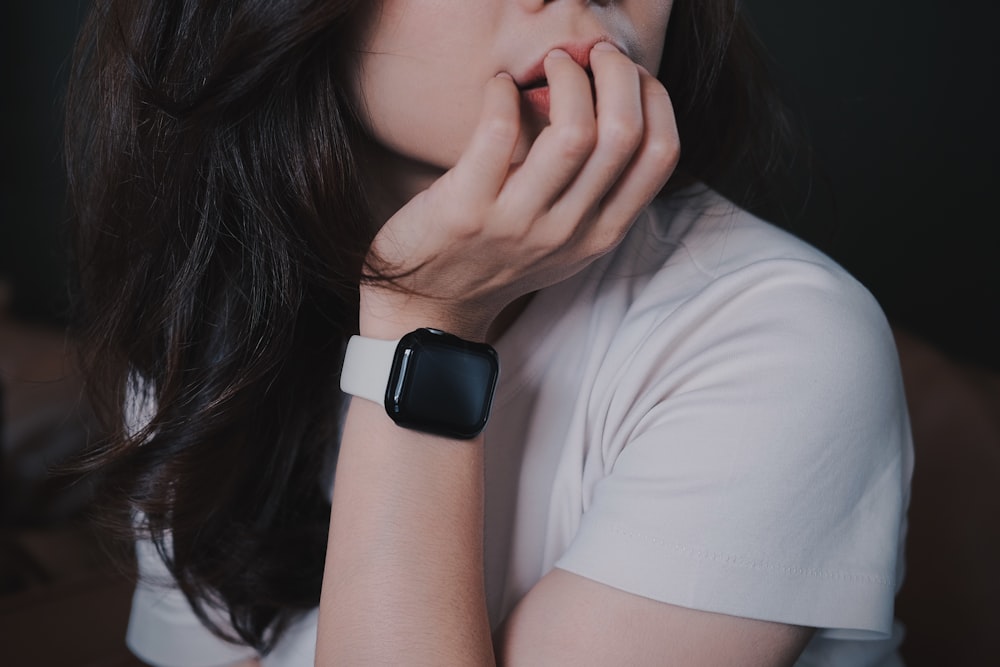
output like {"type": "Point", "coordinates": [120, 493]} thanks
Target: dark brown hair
{"type": "Point", "coordinates": [220, 232]}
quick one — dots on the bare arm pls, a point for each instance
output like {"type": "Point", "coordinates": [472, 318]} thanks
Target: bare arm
{"type": "Point", "coordinates": [404, 575]}
{"type": "Point", "coordinates": [569, 620]}
{"type": "Point", "coordinates": [404, 569]}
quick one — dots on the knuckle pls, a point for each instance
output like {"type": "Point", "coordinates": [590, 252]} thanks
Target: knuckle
{"type": "Point", "coordinates": [604, 240]}
{"type": "Point", "coordinates": [561, 236]}
{"type": "Point", "coordinates": [550, 244]}
{"type": "Point", "coordinates": [664, 151]}
{"type": "Point", "coordinates": [458, 220]}
{"type": "Point", "coordinates": [464, 228]}
{"type": "Point", "coordinates": [577, 140]}
{"type": "Point", "coordinates": [515, 233]}
{"type": "Point", "coordinates": [622, 136]}
{"type": "Point", "coordinates": [548, 235]}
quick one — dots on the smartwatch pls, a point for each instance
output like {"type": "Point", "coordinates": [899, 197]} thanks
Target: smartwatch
{"type": "Point", "coordinates": [428, 380]}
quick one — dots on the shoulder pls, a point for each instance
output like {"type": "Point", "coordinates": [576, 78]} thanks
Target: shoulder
{"type": "Point", "coordinates": [703, 299]}
{"type": "Point", "coordinates": [748, 406]}
{"type": "Point", "coordinates": [707, 283]}
{"type": "Point", "coordinates": [697, 245]}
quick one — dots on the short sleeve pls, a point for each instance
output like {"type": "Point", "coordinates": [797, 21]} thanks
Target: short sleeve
{"type": "Point", "coordinates": [163, 630]}
{"type": "Point", "coordinates": [756, 455]}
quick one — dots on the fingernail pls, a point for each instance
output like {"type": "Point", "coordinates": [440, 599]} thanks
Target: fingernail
{"type": "Point", "coordinates": [558, 53]}
{"type": "Point", "coordinates": [504, 75]}
{"type": "Point", "coordinates": [605, 46]}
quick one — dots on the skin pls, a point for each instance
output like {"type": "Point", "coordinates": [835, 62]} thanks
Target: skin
{"type": "Point", "coordinates": [456, 158]}
{"type": "Point", "coordinates": [422, 74]}
{"type": "Point", "coordinates": [486, 204]}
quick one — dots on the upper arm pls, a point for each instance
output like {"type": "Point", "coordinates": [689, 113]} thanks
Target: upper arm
{"type": "Point", "coordinates": [755, 464]}
{"type": "Point", "coordinates": [567, 619]}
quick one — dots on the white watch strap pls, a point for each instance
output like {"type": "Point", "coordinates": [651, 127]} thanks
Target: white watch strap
{"type": "Point", "coordinates": [367, 364]}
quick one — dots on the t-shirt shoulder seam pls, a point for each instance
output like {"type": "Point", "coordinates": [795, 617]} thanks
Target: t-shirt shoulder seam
{"type": "Point", "coordinates": [829, 265]}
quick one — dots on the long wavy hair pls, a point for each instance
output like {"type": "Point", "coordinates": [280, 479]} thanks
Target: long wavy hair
{"type": "Point", "coordinates": [220, 233]}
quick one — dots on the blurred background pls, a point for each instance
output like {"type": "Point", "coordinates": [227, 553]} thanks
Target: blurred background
{"type": "Point", "coordinates": [897, 102]}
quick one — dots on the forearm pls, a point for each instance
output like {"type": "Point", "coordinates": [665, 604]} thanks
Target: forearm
{"type": "Point", "coordinates": [404, 569]}
{"type": "Point", "coordinates": [404, 572]}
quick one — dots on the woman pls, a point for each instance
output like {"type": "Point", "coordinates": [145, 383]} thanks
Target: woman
{"type": "Point", "coordinates": [697, 452]}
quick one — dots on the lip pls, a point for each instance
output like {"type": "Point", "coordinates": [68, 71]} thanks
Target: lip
{"type": "Point", "coordinates": [533, 78]}
{"type": "Point", "coordinates": [537, 99]}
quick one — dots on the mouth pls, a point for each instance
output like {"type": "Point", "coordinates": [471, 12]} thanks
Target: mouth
{"type": "Point", "coordinates": [535, 85]}
{"type": "Point", "coordinates": [534, 77]}
{"type": "Point", "coordinates": [542, 82]}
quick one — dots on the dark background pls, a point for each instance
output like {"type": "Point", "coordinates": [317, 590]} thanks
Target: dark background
{"type": "Point", "coordinates": [897, 100]}
{"type": "Point", "coordinates": [897, 104]}
{"type": "Point", "coordinates": [35, 40]}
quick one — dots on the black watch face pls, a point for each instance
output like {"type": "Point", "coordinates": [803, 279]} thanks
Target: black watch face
{"type": "Point", "coordinates": [442, 384]}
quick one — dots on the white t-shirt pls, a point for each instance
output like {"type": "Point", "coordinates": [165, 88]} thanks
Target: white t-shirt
{"type": "Point", "coordinates": [711, 416]}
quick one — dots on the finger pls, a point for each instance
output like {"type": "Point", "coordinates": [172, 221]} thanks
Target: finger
{"type": "Point", "coordinates": [620, 128]}
{"type": "Point", "coordinates": [646, 174]}
{"type": "Point", "coordinates": [452, 204]}
{"type": "Point", "coordinates": [482, 168]}
{"type": "Point", "coordinates": [563, 146]}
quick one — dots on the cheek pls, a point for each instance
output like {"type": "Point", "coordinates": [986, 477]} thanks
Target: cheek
{"type": "Point", "coordinates": [418, 110]}
{"type": "Point", "coordinates": [652, 28]}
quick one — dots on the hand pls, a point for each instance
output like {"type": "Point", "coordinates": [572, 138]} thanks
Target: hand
{"type": "Point", "coordinates": [487, 232]}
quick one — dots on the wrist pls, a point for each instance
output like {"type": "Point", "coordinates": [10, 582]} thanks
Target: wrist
{"type": "Point", "coordinates": [392, 316]}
